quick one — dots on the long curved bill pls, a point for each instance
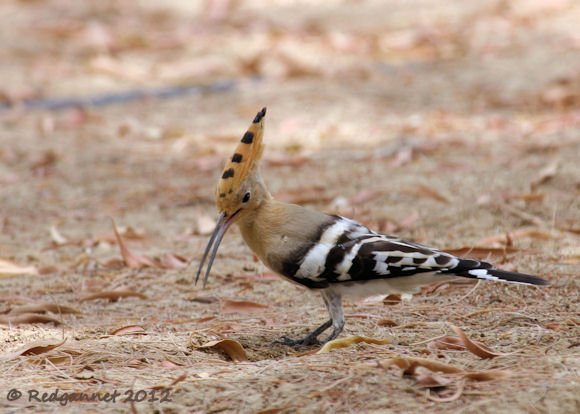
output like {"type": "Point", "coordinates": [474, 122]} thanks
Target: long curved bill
{"type": "Point", "coordinates": [223, 224]}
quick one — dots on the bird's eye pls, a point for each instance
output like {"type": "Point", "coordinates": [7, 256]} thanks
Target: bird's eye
{"type": "Point", "coordinates": [246, 197]}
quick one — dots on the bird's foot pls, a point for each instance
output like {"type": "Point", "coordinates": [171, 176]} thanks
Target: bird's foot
{"type": "Point", "coordinates": [310, 339]}
{"type": "Point", "coordinates": [306, 341]}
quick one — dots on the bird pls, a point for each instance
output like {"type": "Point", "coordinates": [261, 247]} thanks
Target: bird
{"type": "Point", "coordinates": [328, 253]}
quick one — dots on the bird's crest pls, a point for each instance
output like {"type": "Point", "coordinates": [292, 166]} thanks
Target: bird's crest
{"type": "Point", "coordinates": [245, 158]}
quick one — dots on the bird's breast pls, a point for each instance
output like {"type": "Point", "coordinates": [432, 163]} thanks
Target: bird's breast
{"type": "Point", "coordinates": [283, 235]}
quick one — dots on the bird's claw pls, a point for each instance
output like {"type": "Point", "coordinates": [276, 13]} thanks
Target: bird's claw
{"type": "Point", "coordinates": [306, 341]}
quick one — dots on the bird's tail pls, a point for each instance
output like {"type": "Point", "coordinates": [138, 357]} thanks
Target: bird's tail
{"type": "Point", "coordinates": [503, 275]}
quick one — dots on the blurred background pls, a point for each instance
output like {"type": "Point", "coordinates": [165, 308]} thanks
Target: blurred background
{"type": "Point", "coordinates": [117, 99]}
{"type": "Point", "coordinates": [397, 57]}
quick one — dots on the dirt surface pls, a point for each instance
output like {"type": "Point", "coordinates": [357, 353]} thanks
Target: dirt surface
{"type": "Point", "coordinates": [455, 125]}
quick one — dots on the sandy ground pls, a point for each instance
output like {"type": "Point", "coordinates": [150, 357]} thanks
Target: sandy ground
{"type": "Point", "coordinates": [455, 125]}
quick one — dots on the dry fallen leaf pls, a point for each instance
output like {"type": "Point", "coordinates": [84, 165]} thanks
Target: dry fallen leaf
{"type": "Point", "coordinates": [410, 364]}
{"type": "Point", "coordinates": [447, 343]}
{"type": "Point", "coordinates": [63, 357]}
{"type": "Point", "coordinates": [36, 347]}
{"type": "Point", "coordinates": [173, 261]}
{"type": "Point", "coordinates": [114, 264]}
{"type": "Point", "coordinates": [487, 375]}
{"type": "Point", "coordinates": [8, 269]}
{"type": "Point", "coordinates": [175, 381]}
{"type": "Point", "coordinates": [204, 319]}
{"type": "Point", "coordinates": [232, 348]}
{"type": "Point", "coordinates": [350, 341]}
{"type": "Point", "coordinates": [236, 306]}
{"type": "Point", "coordinates": [15, 300]}
{"type": "Point", "coordinates": [428, 379]}
{"type": "Point", "coordinates": [43, 308]}
{"type": "Point", "coordinates": [129, 330]}
{"type": "Point", "coordinates": [527, 197]}
{"type": "Point", "coordinates": [46, 270]}
{"type": "Point", "coordinates": [392, 299]}
{"type": "Point", "coordinates": [545, 174]}
{"type": "Point", "coordinates": [203, 299]}
{"type": "Point", "coordinates": [132, 259]}
{"type": "Point", "coordinates": [387, 323]}
{"type": "Point", "coordinates": [170, 364]}
{"type": "Point", "coordinates": [476, 348]}
{"type": "Point", "coordinates": [28, 318]}
{"type": "Point", "coordinates": [413, 366]}
{"type": "Point", "coordinates": [113, 295]}
{"type": "Point", "coordinates": [571, 228]}
{"type": "Point", "coordinates": [56, 237]}
{"type": "Point", "coordinates": [128, 233]}
{"type": "Point", "coordinates": [452, 397]}
{"type": "Point", "coordinates": [274, 410]}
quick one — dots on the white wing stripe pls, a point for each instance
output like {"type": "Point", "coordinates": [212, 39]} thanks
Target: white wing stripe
{"type": "Point", "coordinates": [482, 274]}
{"type": "Point", "coordinates": [343, 267]}
{"type": "Point", "coordinates": [381, 267]}
{"type": "Point", "coordinates": [313, 263]}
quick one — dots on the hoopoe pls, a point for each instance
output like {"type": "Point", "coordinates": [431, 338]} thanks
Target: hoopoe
{"type": "Point", "coordinates": [332, 254]}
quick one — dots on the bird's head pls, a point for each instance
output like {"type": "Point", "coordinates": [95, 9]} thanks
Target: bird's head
{"type": "Point", "coordinates": [240, 189]}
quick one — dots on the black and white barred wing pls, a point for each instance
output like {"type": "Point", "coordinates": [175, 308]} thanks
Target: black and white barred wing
{"type": "Point", "coordinates": [380, 257]}
{"type": "Point", "coordinates": [383, 257]}
{"type": "Point", "coordinates": [347, 251]}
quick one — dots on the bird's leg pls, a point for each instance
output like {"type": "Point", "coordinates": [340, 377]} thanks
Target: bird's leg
{"type": "Point", "coordinates": [310, 339]}
{"type": "Point", "coordinates": [333, 303]}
